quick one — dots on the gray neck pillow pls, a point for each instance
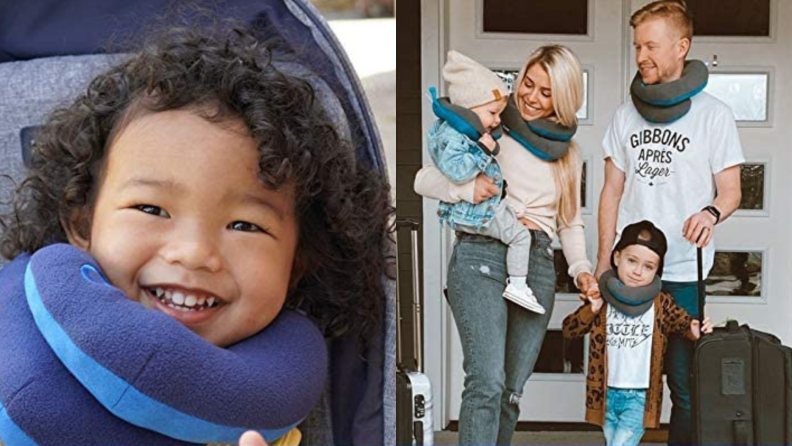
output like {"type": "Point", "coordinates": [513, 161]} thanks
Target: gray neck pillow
{"type": "Point", "coordinates": [632, 301]}
{"type": "Point", "coordinates": [665, 103]}
{"type": "Point", "coordinates": [546, 139]}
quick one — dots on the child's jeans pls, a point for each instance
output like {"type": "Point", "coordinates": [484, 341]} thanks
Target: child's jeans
{"type": "Point", "coordinates": [624, 416]}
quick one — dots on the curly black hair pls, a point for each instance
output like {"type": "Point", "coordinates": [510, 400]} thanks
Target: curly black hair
{"type": "Point", "coordinates": [343, 208]}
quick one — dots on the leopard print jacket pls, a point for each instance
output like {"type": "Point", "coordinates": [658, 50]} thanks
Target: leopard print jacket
{"type": "Point", "coordinates": [669, 318]}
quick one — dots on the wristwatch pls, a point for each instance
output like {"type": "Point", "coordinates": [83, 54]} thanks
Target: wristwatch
{"type": "Point", "coordinates": [714, 211]}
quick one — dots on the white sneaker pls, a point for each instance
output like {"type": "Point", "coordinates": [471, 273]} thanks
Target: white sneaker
{"type": "Point", "coordinates": [523, 296]}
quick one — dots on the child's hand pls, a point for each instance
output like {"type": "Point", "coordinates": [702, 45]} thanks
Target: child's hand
{"type": "Point", "coordinates": [487, 140]}
{"type": "Point", "coordinates": [593, 297]}
{"type": "Point", "coordinates": [484, 189]}
{"type": "Point", "coordinates": [696, 329]}
{"type": "Point", "coordinates": [252, 438]}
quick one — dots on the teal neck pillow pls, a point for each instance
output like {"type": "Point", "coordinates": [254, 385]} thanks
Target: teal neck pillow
{"type": "Point", "coordinates": [463, 120]}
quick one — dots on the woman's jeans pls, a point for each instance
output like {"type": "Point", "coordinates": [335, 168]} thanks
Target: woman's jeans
{"type": "Point", "coordinates": [500, 340]}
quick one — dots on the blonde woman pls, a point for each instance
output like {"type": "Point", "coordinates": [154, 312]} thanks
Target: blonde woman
{"type": "Point", "coordinates": [501, 340]}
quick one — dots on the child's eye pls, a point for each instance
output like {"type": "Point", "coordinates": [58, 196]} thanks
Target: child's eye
{"type": "Point", "coordinates": [153, 210]}
{"type": "Point", "coordinates": [245, 227]}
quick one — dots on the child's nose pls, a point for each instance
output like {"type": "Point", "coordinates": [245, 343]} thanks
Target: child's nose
{"type": "Point", "coordinates": [194, 250]}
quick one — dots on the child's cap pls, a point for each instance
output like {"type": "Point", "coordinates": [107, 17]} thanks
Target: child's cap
{"type": "Point", "coordinates": [471, 84]}
{"type": "Point", "coordinates": [643, 233]}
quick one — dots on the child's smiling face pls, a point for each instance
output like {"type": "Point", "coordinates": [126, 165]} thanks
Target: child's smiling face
{"type": "Point", "coordinates": [182, 224]}
{"type": "Point", "coordinates": [636, 265]}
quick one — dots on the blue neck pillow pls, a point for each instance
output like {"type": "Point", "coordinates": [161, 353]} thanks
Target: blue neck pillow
{"type": "Point", "coordinates": [667, 102]}
{"type": "Point", "coordinates": [546, 139]}
{"type": "Point", "coordinates": [463, 120]}
{"type": "Point", "coordinates": [83, 364]}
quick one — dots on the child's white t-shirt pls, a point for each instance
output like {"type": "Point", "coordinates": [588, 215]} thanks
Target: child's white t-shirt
{"type": "Point", "coordinates": [669, 172]}
{"type": "Point", "coordinates": [629, 343]}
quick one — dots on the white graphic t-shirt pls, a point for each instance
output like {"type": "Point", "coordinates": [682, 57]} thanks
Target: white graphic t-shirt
{"type": "Point", "coordinates": [629, 341]}
{"type": "Point", "coordinates": [669, 172]}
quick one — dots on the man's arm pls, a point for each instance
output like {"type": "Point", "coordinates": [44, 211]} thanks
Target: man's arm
{"type": "Point", "coordinates": [729, 195]}
{"type": "Point", "coordinates": [610, 197]}
{"type": "Point", "coordinates": [727, 183]}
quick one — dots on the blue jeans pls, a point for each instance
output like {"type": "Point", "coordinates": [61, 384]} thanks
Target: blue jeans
{"type": "Point", "coordinates": [624, 416]}
{"type": "Point", "coordinates": [500, 340]}
{"type": "Point", "coordinates": [677, 364]}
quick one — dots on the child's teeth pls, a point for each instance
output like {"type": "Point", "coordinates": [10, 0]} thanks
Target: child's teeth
{"type": "Point", "coordinates": [182, 301]}
{"type": "Point", "coordinates": [178, 298]}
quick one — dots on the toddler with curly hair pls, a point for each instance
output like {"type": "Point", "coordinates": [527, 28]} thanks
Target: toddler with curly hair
{"type": "Point", "coordinates": [210, 185]}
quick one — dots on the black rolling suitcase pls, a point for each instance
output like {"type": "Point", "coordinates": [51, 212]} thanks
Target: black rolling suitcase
{"type": "Point", "coordinates": [413, 389]}
{"type": "Point", "coordinates": [741, 385]}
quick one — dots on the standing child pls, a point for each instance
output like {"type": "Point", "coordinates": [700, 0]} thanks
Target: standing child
{"type": "Point", "coordinates": [474, 88]}
{"type": "Point", "coordinates": [209, 185]}
{"type": "Point", "coordinates": [629, 335]}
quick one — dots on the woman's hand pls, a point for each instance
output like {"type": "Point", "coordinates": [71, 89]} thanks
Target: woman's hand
{"type": "Point", "coordinates": [252, 438]}
{"type": "Point", "coordinates": [485, 189]}
{"type": "Point", "coordinates": [587, 282]}
{"type": "Point", "coordinates": [590, 292]}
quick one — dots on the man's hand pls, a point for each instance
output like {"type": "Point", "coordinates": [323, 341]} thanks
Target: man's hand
{"type": "Point", "coordinates": [698, 228]}
{"type": "Point", "coordinates": [488, 142]}
{"type": "Point", "coordinates": [485, 189]}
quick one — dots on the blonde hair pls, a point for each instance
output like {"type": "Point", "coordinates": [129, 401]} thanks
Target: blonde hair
{"type": "Point", "coordinates": [674, 11]}
{"type": "Point", "coordinates": [566, 81]}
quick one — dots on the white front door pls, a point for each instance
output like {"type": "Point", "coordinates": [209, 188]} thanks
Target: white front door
{"type": "Point", "coordinates": [754, 245]}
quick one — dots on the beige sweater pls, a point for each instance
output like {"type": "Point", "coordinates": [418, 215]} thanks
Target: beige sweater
{"type": "Point", "coordinates": [531, 193]}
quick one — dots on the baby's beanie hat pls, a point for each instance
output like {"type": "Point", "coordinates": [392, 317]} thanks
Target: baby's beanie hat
{"type": "Point", "coordinates": [471, 84]}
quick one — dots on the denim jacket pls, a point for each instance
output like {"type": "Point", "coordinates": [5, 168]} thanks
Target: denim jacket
{"type": "Point", "coordinates": [460, 159]}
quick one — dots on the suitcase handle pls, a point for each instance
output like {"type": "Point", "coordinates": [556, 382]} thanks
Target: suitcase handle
{"type": "Point", "coordinates": [416, 288]}
{"type": "Point", "coordinates": [702, 290]}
